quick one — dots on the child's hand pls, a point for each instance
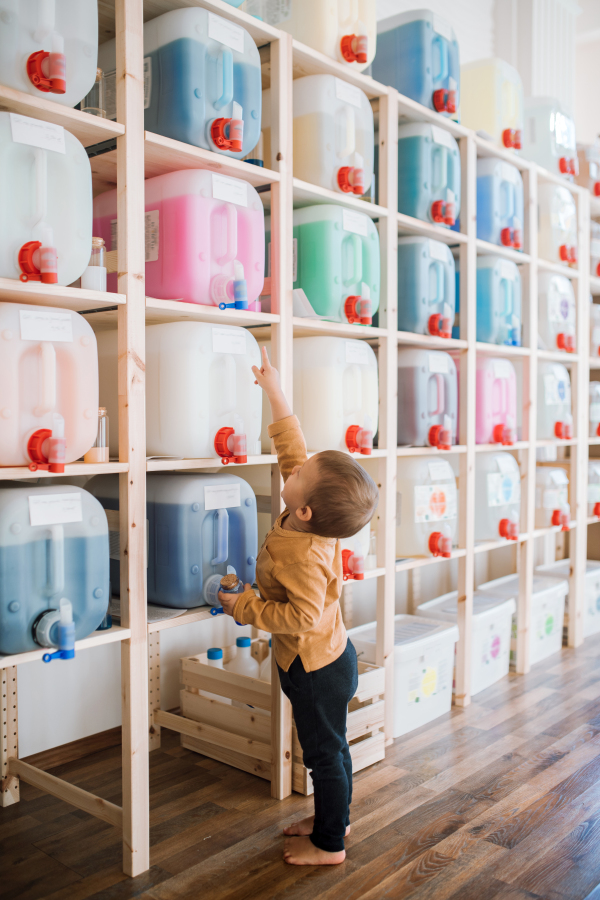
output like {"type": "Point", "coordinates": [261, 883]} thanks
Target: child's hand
{"type": "Point", "coordinates": [228, 600]}
{"type": "Point", "coordinates": [267, 376]}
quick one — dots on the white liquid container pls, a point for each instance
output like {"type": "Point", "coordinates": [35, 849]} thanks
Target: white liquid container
{"type": "Point", "coordinates": [49, 48]}
{"type": "Point", "coordinates": [243, 663]}
{"type": "Point", "coordinates": [45, 202]}
{"type": "Point", "coordinates": [589, 167]}
{"type": "Point", "coordinates": [549, 137]}
{"type": "Point", "coordinates": [214, 657]}
{"type": "Point", "coordinates": [554, 416]}
{"type": "Point", "coordinates": [427, 399]}
{"type": "Point", "coordinates": [492, 101]}
{"type": "Point", "coordinates": [427, 507]}
{"type": "Point", "coordinates": [552, 498]}
{"type": "Point", "coordinates": [490, 639]}
{"type": "Point", "coordinates": [594, 249]}
{"type": "Point", "coordinates": [423, 663]}
{"type": "Point", "coordinates": [354, 554]}
{"type": "Point", "coordinates": [48, 386]}
{"type": "Point", "coordinates": [593, 492]}
{"type": "Point", "coordinates": [594, 330]}
{"type": "Point", "coordinates": [201, 400]}
{"type": "Point", "coordinates": [594, 408]}
{"type": "Point", "coordinates": [561, 569]}
{"type": "Point", "coordinates": [557, 222]}
{"type": "Point", "coordinates": [498, 492]}
{"type": "Point", "coordinates": [556, 312]}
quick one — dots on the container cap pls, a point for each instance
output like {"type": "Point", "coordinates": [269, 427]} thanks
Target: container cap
{"type": "Point", "coordinates": [242, 642]}
{"type": "Point", "coordinates": [215, 653]}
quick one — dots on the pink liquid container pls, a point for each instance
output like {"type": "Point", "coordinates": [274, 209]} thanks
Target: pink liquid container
{"type": "Point", "coordinates": [427, 508]}
{"type": "Point", "coordinates": [593, 491]}
{"type": "Point", "coordinates": [204, 238]}
{"type": "Point", "coordinates": [48, 386]}
{"type": "Point", "coordinates": [556, 313]}
{"type": "Point", "coordinates": [557, 222]}
{"type": "Point", "coordinates": [549, 137]}
{"type": "Point", "coordinates": [554, 417]}
{"type": "Point", "coordinates": [496, 402]}
{"type": "Point", "coordinates": [594, 408]}
{"type": "Point", "coordinates": [427, 399]}
{"type": "Point", "coordinates": [491, 101]}
{"type": "Point", "coordinates": [552, 498]}
{"type": "Point", "coordinates": [498, 492]}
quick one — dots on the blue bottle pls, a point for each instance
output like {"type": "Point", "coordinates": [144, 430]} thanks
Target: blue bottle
{"type": "Point", "coordinates": [498, 301]}
{"type": "Point", "coordinates": [499, 203]}
{"type": "Point", "coordinates": [428, 174]}
{"type": "Point", "coordinates": [53, 550]}
{"type": "Point", "coordinates": [417, 53]}
{"type": "Point", "coordinates": [426, 278]}
{"type": "Point", "coordinates": [198, 526]}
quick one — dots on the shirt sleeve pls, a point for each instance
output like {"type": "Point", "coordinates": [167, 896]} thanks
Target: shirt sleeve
{"type": "Point", "coordinates": [290, 445]}
{"type": "Point", "coordinates": [306, 588]}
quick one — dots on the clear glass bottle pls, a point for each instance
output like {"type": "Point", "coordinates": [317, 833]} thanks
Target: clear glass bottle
{"type": "Point", "coordinates": [99, 453]}
{"type": "Point", "coordinates": [94, 277]}
{"type": "Point", "coordinates": [94, 103]}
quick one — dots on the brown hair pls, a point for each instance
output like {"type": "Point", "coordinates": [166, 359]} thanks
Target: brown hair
{"type": "Point", "coordinates": [343, 498]}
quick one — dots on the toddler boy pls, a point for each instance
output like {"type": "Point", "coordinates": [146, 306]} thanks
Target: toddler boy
{"type": "Point", "coordinates": [299, 575]}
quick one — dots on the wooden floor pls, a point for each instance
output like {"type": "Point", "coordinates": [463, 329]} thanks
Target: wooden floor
{"type": "Point", "coordinates": [497, 802]}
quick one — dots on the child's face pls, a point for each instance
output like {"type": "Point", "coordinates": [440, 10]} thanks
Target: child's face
{"type": "Point", "coordinates": [297, 487]}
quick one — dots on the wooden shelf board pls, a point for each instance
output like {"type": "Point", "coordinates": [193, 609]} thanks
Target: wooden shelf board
{"type": "Point", "coordinates": [496, 448]}
{"type": "Point", "coordinates": [307, 61]}
{"type": "Point", "coordinates": [553, 529]}
{"type": "Point", "coordinates": [557, 178]}
{"type": "Point", "coordinates": [158, 311]}
{"type": "Point", "coordinates": [96, 639]}
{"type": "Point", "coordinates": [411, 111]}
{"type": "Point", "coordinates": [430, 451]}
{"type": "Point", "coordinates": [178, 465]}
{"type": "Point", "coordinates": [55, 295]}
{"type": "Point", "coordinates": [306, 194]}
{"type": "Point", "coordinates": [9, 473]}
{"type": "Point", "coordinates": [304, 327]}
{"type": "Point", "coordinates": [487, 546]}
{"type": "Point", "coordinates": [544, 265]}
{"type": "Point", "coordinates": [558, 356]}
{"type": "Point", "coordinates": [594, 441]}
{"type": "Point", "coordinates": [417, 562]}
{"type": "Point", "coordinates": [501, 350]}
{"type": "Point", "coordinates": [407, 226]}
{"type": "Point", "coordinates": [162, 154]}
{"type": "Point", "coordinates": [488, 148]}
{"type": "Point", "coordinates": [430, 341]}
{"type": "Point", "coordinates": [556, 443]}
{"type": "Point", "coordinates": [259, 31]}
{"type": "Point", "coordinates": [199, 614]}
{"type": "Point", "coordinates": [485, 248]}
{"type": "Point", "coordinates": [594, 285]}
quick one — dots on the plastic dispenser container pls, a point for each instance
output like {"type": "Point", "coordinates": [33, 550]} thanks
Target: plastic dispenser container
{"type": "Point", "coordinates": [344, 30]}
{"type": "Point", "coordinates": [593, 494]}
{"type": "Point", "coordinates": [496, 402]}
{"type": "Point", "coordinates": [337, 262]}
{"type": "Point", "coordinates": [214, 658]}
{"type": "Point", "coordinates": [499, 203]}
{"type": "Point", "coordinates": [243, 663]}
{"type": "Point", "coordinates": [53, 552]}
{"type": "Point", "coordinates": [549, 137]}
{"type": "Point", "coordinates": [423, 663]}
{"type": "Point", "coordinates": [427, 507]}
{"type": "Point", "coordinates": [48, 386]}
{"type": "Point", "coordinates": [426, 287]}
{"type": "Point", "coordinates": [594, 249]}
{"type": "Point", "coordinates": [556, 313]}
{"type": "Point", "coordinates": [199, 527]}
{"type": "Point", "coordinates": [46, 202]}
{"type": "Point", "coordinates": [498, 492]}
{"type": "Point", "coordinates": [333, 134]}
{"type": "Point", "coordinates": [557, 221]}
{"type": "Point", "coordinates": [202, 81]}
{"type": "Point", "coordinates": [554, 418]}
{"type": "Point", "coordinates": [552, 498]}
{"type": "Point", "coordinates": [428, 174]}
{"type": "Point", "coordinates": [201, 400]}
{"type": "Point", "coordinates": [354, 554]}
{"type": "Point", "coordinates": [427, 399]}
{"type": "Point", "coordinates": [499, 315]}
{"type": "Point", "coordinates": [561, 570]}
{"type": "Point", "coordinates": [595, 409]}
{"type": "Point", "coordinates": [490, 639]}
{"type": "Point", "coordinates": [547, 613]}
{"type": "Point", "coordinates": [49, 48]}
{"type": "Point", "coordinates": [594, 330]}
{"type": "Point", "coordinates": [589, 167]}
{"type": "Point", "coordinates": [190, 209]}
{"type": "Point", "coordinates": [417, 54]}
{"type": "Point", "coordinates": [492, 101]}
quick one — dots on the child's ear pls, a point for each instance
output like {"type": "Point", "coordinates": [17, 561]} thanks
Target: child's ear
{"type": "Point", "coordinates": [304, 513]}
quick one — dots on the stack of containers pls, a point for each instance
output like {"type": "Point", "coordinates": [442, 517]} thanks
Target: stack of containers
{"type": "Point", "coordinates": [561, 569]}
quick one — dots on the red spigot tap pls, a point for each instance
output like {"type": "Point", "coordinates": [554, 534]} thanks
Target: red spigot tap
{"type": "Point", "coordinates": [596, 510]}
{"type": "Point", "coordinates": [440, 437]}
{"type": "Point", "coordinates": [565, 342]}
{"type": "Point", "coordinates": [598, 430]}
{"type": "Point", "coordinates": [442, 211]}
{"type": "Point", "coordinates": [568, 166]}
{"type": "Point", "coordinates": [353, 565]}
{"type": "Point", "coordinates": [439, 325]}
{"type": "Point", "coordinates": [562, 517]}
{"type": "Point", "coordinates": [228, 134]}
{"type": "Point", "coordinates": [359, 440]}
{"type": "Point", "coordinates": [358, 309]}
{"type": "Point", "coordinates": [47, 450]}
{"type": "Point", "coordinates": [355, 48]}
{"type": "Point", "coordinates": [598, 269]}
{"type": "Point", "coordinates": [509, 529]}
{"type": "Point", "coordinates": [504, 434]}
{"type": "Point", "coordinates": [351, 180]}
{"type": "Point", "coordinates": [444, 101]}
{"type": "Point", "coordinates": [568, 254]}
{"type": "Point", "coordinates": [38, 263]}
{"type": "Point", "coordinates": [440, 545]}
{"type": "Point", "coordinates": [597, 189]}
{"type": "Point", "coordinates": [511, 137]}
{"type": "Point", "coordinates": [563, 430]}
{"type": "Point", "coordinates": [511, 237]}
{"type": "Point", "coordinates": [230, 445]}
{"type": "Point", "coordinates": [47, 71]}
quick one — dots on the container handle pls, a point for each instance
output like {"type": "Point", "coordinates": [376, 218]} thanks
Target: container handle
{"type": "Point", "coordinates": [227, 64]}
{"type": "Point", "coordinates": [440, 385]}
{"type": "Point", "coordinates": [41, 187]}
{"type": "Point", "coordinates": [440, 43]}
{"type": "Point", "coordinates": [221, 532]}
{"type": "Point", "coordinates": [439, 168]}
{"type": "Point", "coordinates": [46, 17]}
{"type": "Point", "coordinates": [47, 379]}
{"type": "Point", "coordinates": [355, 246]}
{"type": "Point", "coordinates": [348, 131]}
{"type": "Point", "coordinates": [440, 292]}
{"type": "Point", "coordinates": [55, 561]}
{"type": "Point", "coordinates": [232, 236]}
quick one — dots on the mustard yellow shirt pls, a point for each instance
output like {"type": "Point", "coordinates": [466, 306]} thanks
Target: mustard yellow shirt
{"type": "Point", "coordinates": [299, 576]}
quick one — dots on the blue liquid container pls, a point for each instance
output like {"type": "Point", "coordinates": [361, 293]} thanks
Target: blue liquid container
{"type": "Point", "coordinates": [428, 174]}
{"type": "Point", "coordinates": [426, 285]}
{"type": "Point", "coordinates": [417, 53]}
{"type": "Point", "coordinates": [65, 556]}
{"type": "Point", "coordinates": [499, 203]}
{"type": "Point", "coordinates": [198, 525]}
{"type": "Point", "coordinates": [202, 81]}
{"type": "Point", "coordinates": [499, 317]}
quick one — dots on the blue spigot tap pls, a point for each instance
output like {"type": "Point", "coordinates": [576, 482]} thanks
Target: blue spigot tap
{"type": "Point", "coordinates": [61, 631]}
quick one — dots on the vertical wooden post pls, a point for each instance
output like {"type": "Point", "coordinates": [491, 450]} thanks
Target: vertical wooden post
{"type": "Point", "coordinates": [468, 364]}
{"type": "Point", "coordinates": [9, 784]}
{"type": "Point", "coordinates": [153, 689]}
{"type": "Point", "coordinates": [132, 437]}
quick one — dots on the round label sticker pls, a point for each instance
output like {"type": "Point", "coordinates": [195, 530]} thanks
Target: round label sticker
{"type": "Point", "coordinates": [561, 388]}
{"type": "Point", "coordinates": [598, 603]}
{"type": "Point", "coordinates": [564, 308]}
{"type": "Point", "coordinates": [429, 681]}
{"type": "Point", "coordinates": [507, 489]}
{"type": "Point", "coordinates": [549, 627]}
{"type": "Point", "coordinates": [437, 503]}
{"type": "Point", "coordinates": [495, 648]}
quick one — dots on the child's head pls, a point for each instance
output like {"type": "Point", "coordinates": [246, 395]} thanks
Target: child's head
{"type": "Point", "coordinates": [331, 495]}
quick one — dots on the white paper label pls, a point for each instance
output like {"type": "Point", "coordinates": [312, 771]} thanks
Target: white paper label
{"type": "Point", "coordinates": [222, 496]}
{"type": "Point", "coordinates": [270, 11]}
{"type": "Point", "coordinates": [357, 352]}
{"type": "Point", "coordinates": [294, 259]}
{"type": "Point", "coordinates": [229, 340]}
{"type": "Point", "coordinates": [440, 470]}
{"type": "Point", "coordinates": [54, 509]}
{"type": "Point", "coordinates": [593, 493]}
{"type": "Point", "coordinates": [46, 326]}
{"type": "Point", "coordinates": [355, 222]}
{"type": "Point", "coordinates": [438, 251]}
{"type": "Point", "coordinates": [110, 94]}
{"type": "Point", "coordinates": [443, 137]}
{"type": "Point", "coordinates": [37, 133]}
{"type": "Point", "coordinates": [502, 368]}
{"type": "Point", "coordinates": [147, 81]}
{"type": "Point", "coordinates": [559, 476]}
{"type": "Point", "coordinates": [440, 26]}
{"type": "Point", "coordinates": [152, 219]}
{"type": "Point", "coordinates": [507, 270]}
{"type": "Point", "coordinates": [348, 93]}
{"type": "Point", "coordinates": [439, 362]}
{"type": "Point", "coordinates": [561, 309]}
{"type": "Point", "coordinates": [435, 502]}
{"type": "Point", "coordinates": [226, 32]}
{"type": "Point", "coordinates": [503, 489]}
{"type": "Point", "coordinates": [231, 190]}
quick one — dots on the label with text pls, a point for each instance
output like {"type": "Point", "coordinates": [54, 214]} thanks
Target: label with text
{"type": "Point", "coordinates": [54, 509]}
{"type": "Point", "coordinates": [37, 133]}
{"type": "Point", "coordinates": [222, 496]}
{"type": "Point", "coordinates": [38, 325]}
{"type": "Point", "coordinates": [228, 340]}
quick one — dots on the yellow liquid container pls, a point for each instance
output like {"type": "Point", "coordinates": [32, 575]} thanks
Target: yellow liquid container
{"type": "Point", "coordinates": [492, 101]}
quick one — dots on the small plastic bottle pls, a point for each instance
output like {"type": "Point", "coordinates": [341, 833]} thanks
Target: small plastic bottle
{"type": "Point", "coordinates": [243, 663]}
{"type": "Point", "coordinates": [94, 277]}
{"type": "Point", "coordinates": [265, 666]}
{"type": "Point", "coordinates": [215, 658]}
{"type": "Point", "coordinates": [93, 103]}
{"type": "Point", "coordinates": [99, 453]}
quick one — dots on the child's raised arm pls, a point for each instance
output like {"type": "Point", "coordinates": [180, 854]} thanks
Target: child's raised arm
{"type": "Point", "coordinates": [288, 437]}
{"type": "Point", "coordinates": [268, 379]}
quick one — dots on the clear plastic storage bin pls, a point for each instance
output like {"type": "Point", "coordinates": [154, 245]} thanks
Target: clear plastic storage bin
{"type": "Point", "coordinates": [549, 137]}
{"type": "Point", "coordinates": [426, 287]}
{"type": "Point", "coordinates": [499, 203]}
{"type": "Point", "coordinates": [557, 235]}
{"type": "Point", "coordinates": [554, 417]}
{"type": "Point", "coordinates": [499, 315]}
{"type": "Point", "coordinates": [561, 569]}
{"type": "Point", "coordinates": [552, 498]}
{"type": "Point", "coordinates": [492, 101]}
{"type": "Point", "coordinates": [556, 312]}
{"type": "Point", "coordinates": [428, 174]}
{"type": "Point", "coordinates": [496, 402]}
{"type": "Point", "coordinates": [427, 515]}
{"type": "Point", "coordinates": [427, 399]}
{"type": "Point", "coordinates": [498, 492]}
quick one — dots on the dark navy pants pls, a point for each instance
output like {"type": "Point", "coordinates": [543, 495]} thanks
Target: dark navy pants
{"type": "Point", "coordinates": [320, 705]}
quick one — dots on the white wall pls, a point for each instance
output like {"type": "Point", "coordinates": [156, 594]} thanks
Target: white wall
{"type": "Point", "coordinates": [587, 72]}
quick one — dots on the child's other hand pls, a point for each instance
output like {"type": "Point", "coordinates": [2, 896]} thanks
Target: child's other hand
{"type": "Point", "coordinates": [228, 600]}
{"type": "Point", "coordinates": [267, 376]}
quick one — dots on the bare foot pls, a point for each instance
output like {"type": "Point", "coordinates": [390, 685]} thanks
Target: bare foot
{"type": "Point", "coordinates": [304, 826]}
{"type": "Point", "coordinates": [300, 851]}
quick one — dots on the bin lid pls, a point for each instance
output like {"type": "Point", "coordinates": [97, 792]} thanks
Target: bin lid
{"type": "Point", "coordinates": [562, 568]}
{"type": "Point", "coordinates": [508, 586]}
{"type": "Point", "coordinates": [407, 630]}
{"type": "Point", "coordinates": [446, 606]}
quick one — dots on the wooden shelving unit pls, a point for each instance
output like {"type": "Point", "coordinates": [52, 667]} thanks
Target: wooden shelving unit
{"type": "Point", "coordinates": [141, 154]}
